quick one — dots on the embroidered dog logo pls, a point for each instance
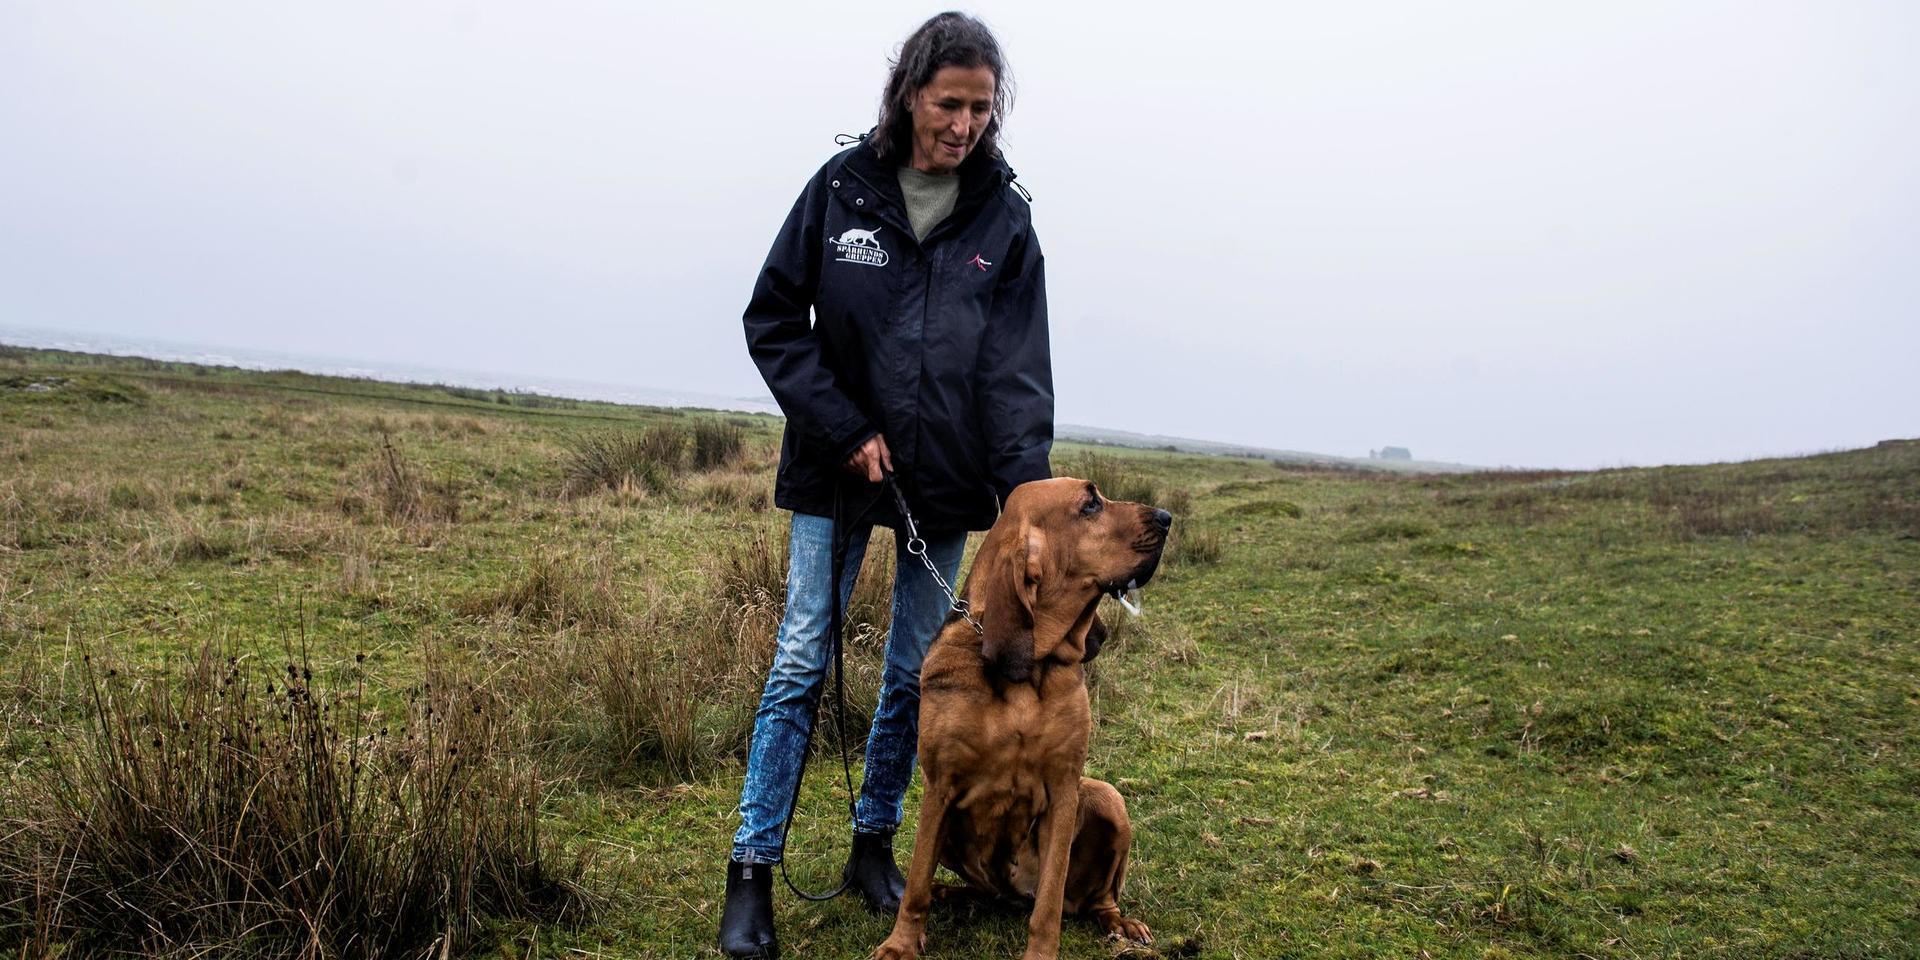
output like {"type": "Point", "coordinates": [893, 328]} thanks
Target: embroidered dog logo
{"type": "Point", "coordinates": [859, 246]}
{"type": "Point", "coordinates": [861, 238]}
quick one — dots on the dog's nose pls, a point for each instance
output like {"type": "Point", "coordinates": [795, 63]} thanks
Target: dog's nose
{"type": "Point", "coordinates": [1164, 519]}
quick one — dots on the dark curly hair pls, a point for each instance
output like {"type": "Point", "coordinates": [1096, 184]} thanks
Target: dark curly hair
{"type": "Point", "coordinates": [948, 40]}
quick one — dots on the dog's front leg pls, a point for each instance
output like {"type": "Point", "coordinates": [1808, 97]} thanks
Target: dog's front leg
{"type": "Point", "coordinates": [909, 935]}
{"type": "Point", "coordinates": [1056, 849]}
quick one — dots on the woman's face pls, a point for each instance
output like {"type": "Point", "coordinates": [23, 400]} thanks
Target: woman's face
{"type": "Point", "coordinates": [949, 114]}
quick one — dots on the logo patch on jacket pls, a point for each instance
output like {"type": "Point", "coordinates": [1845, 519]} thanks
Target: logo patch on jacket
{"type": "Point", "coordinates": [859, 246]}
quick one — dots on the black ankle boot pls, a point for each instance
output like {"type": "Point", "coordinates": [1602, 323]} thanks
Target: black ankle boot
{"type": "Point", "coordinates": [746, 922]}
{"type": "Point", "coordinates": [871, 872]}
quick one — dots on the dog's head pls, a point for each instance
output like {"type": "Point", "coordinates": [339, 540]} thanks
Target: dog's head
{"type": "Point", "coordinates": [1041, 571]}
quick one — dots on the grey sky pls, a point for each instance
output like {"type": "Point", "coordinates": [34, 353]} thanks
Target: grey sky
{"type": "Point", "coordinates": [1498, 233]}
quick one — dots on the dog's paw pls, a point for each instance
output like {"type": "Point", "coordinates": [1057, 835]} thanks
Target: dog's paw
{"type": "Point", "coordinates": [900, 947]}
{"type": "Point", "coordinates": [1127, 928]}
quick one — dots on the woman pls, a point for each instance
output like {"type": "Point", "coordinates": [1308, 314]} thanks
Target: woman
{"type": "Point", "coordinates": [926, 358]}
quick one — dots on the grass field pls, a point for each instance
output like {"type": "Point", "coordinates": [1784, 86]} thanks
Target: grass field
{"type": "Point", "coordinates": [1629, 713]}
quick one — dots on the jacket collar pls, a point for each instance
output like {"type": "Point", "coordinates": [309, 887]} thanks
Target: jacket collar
{"type": "Point", "coordinates": [980, 174]}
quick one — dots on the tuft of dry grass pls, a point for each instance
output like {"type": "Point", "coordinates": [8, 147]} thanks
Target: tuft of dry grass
{"type": "Point", "coordinates": [1177, 501]}
{"type": "Point", "coordinates": [648, 459]}
{"type": "Point", "coordinates": [211, 809]}
{"type": "Point", "coordinates": [717, 444]}
{"type": "Point", "coordinates": [1195, 543]}
{"type": "Point", "coordinates": [404, 497]}
{"type": "Point", "coordinates": [1116, 480]}
{"type": "Point", "coordinates": [359, 578]}
{"type": "Point", "coordinates": [186, 536]}
{"type": "Point", "coordinates": [652, 459]}
{"type": "Point", "coordinates": [731, 491]}
{"type": "Point", "coordinates": [557, 590]}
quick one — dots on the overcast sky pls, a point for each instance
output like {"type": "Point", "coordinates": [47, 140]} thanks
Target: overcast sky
{"type": "Point", "coordinates": [1495, 233]}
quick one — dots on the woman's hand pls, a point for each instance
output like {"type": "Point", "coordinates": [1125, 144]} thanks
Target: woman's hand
{"type": "Point", "coordinates": [872, 458]}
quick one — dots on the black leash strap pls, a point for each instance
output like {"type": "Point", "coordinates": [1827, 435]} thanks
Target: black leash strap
{"type": "Point", "coordinates": [842, 537]}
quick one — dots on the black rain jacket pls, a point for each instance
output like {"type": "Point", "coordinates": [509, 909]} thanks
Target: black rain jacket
{"type": "Point", "coordinates": [940, 346]}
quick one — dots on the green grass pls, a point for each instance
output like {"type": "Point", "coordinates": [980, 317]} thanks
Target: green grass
{"type": "Point", "coordinates": [1631, 713]}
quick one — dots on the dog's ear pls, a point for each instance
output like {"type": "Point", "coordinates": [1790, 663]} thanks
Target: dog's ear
{"type": "Point", "coordinates": [1008, 644]}
{"type": "Point", "coordinates": [1096, 635]}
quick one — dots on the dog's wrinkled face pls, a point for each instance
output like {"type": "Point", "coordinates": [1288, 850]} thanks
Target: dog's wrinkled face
{"type": "Point", "coordinates": [1057, 548]}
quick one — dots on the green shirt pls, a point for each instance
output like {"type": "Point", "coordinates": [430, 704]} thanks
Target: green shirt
{"type": "Point", "coordinates": [929, 199]}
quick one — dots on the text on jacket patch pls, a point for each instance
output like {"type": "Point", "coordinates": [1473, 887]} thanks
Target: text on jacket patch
{"type": "Point", "coordinates": [859, 246]}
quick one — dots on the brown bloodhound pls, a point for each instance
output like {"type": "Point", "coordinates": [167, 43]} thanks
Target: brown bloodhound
{"type": "Point", "coordinates": [1004, 719]}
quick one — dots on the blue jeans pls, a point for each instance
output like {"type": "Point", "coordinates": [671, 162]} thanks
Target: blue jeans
{"type": "Point", "coordinates": [800, 663]}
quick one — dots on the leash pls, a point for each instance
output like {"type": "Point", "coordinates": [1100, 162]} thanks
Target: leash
{"type": "Point", "coordinates": [918, 547]}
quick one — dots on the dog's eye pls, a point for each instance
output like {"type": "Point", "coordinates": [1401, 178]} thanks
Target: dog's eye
{"type": "Point", "coordinates": [1091, 507]}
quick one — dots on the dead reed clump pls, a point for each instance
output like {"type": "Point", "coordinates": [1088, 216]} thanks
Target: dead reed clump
{"type": "Point", "coordinates": [209, 809]}
{"type": "Point", "coordinates": [445, 425]}
{"type": "Point", "coordinates": [665, 685]}
{"type": "Point", "coordinates": [185, 537]}
{"type": "Point", "coordinates": [662, 698]}
{"type": "Point", "coordinates": [1718, 514]}
{"type": "Point", "coordinates": [404, 497]}
{"type": "Point", "coordinates": [654, 692]}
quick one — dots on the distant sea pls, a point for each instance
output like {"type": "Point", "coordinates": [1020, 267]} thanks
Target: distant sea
{"type": "Point", "coordinates": [251, 359]}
